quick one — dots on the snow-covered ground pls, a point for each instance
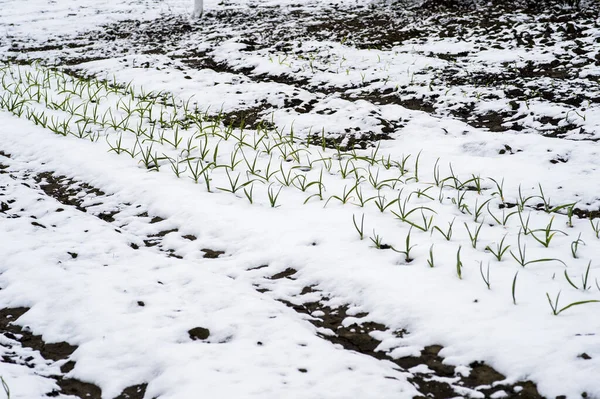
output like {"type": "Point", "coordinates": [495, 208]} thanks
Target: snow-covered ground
{"type": "Point", "coordinates": [306, 200]}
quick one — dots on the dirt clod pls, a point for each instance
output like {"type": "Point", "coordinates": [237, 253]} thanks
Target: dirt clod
{"type": "Point", "coordinates": [199, 333]}
{"type": "Point", "coordinates": [211, 254]}
{"type": "Point", "coordinates": [287, 273]}
{"type": "Point", "coordinates": [133, 392]}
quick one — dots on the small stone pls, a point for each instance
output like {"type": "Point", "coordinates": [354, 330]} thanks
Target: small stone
{"type": "Point", "coordinates": [584, 356]}
{"type": "Point", "coordinates": [67, 367]}
{"type": "Point", "coordinates": [199, 333]}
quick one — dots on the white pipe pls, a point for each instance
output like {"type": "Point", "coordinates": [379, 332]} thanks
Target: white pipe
{"type": "Point", "coordinates": [198, 8]}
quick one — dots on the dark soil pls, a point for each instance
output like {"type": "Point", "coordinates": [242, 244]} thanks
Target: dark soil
{"type": "Point", "coordinates": [56, 351]}
{"type": "Point", "coordinates": [357, 337]}
{"type": "Point", "coordinates": [69, 192]}
{"type": "Point", "coordinates": [199, 333]}
{"type": "Point", "coordinates": [52, 351]}
{"type": "Point", "coordinates": [489, 25]}
{"type": "Point", "coordinates": [211, 254]}
{"type": "Point", "coordinates": [133, 392]}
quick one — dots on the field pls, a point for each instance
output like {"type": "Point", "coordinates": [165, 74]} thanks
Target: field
{"type": "Point", "coordinates": [343, 199]}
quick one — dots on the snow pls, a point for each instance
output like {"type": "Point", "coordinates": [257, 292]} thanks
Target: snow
{"type": "Point", "coordinates": [121, 344]}
{"type": "Point", "coordinates": [92, 300]}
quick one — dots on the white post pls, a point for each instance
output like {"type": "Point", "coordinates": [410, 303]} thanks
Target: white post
{"type": "Point", "coordinates": [198, 8]}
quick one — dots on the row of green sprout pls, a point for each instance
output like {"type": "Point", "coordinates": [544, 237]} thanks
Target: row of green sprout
{"type": "Point", "coordinates": [161, 131]}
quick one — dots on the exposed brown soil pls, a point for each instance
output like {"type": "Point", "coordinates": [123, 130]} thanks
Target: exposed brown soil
{"type": "Point", "coordinates": [54, 351]}
{"type": "Point", "coordinates": [357, 337]}
{"type": "Point", "coordinates": [51, 351]}
{"type": "Point", "coordinates": [383, 27]}
{"type": "Point", "coordinates": [211, 254]}
{"type": "Point", "coordinates": [69, 192]}
{"type": "Point", "coordinates": [398, 23]}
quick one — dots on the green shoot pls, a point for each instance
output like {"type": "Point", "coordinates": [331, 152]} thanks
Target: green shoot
{"type": "Point", "coordinates": [570, 211]}
{"type": "Point", "coordinates": [476, 180]}
{"type": "Point", "coordinates": [430, 260]}
{"type": "Point", "coordinates": [575, 246]}
{"type": "Point", "coordinates": [346, 195]}
{"type": "Point", "coordinates": [422, 193]}
{"type": "Point", "coordinates": [479, 209]}
{"type": "Point", "coordinates": [378, 185]}
{"type": "Point", "coordinates": [499, 189]}
{"type": "Point", "coordinates": [407, 248]}
{"type": "Point", "coordinates": [514, 288]}
{"type": "Point", "coordinates": [5, 387]}
{"type": "Point", "coordinates": [554, 305]}
{"type": "Point", "coordinates": [595, 227]}
{"type": "Point", "coordinates": [486, 276]}
{"type": "Point", "coordinates": [320, 187]}
{"type": "Point", "coordinates": [175, 166]}
{"type": "Point", "coordinates": [286, 178]}
{"type": "Point", "coordinates": [404, 212]}
{"type": "Point", "coordinates": [474, 236]}
{"type": "Point", "coordinates": [345, 169]}
{"type": "Point", "coordinates": [503, 220]}
{"type": "Point", "coordinates": [249, 193]}
{"type": "Point", "coordinates": [361, 229]}
{"type": "Point", "coordinates": [234, 184]}
{"type": "Point", "coordinates": [378, 241]}
{"type": "Point", "coordinates": [382, 204]}
{"type": "Point", "coordinates": [197, 170]}
{"type": "Point", "coordinates": [150, 159]}
{"type": "Point", "coordinates": [402, 164]}
{"type": "Point", "coordinates": [448, 234]}
{"type": "Point", "coordinates": [459, 201]}
{"type": "Point", "coordinates": [417, 167]}
{"type": "Point", "coordinates": [436, 173]}
{"type": "Point", "coordinates": [362, 201]}
{"type": "Point", "coordinates": [459, 264]}
{"type": "Point", "coordinates": [522, 258]}
{"type": "Point", "coordinates": [549, 233]}
{"type": "Point", "coordinates": [273, 196]}
{"type": "Point", "coordinates": [524, 224]}
{"type": "Point", "coordinates": [500, 249]}
{"type": "Point", "coordinates": [454, 178]}
{"type": "Point", "coordinates": [584, 279]}
{"type": "Point", "coordinates": [546, 203]}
